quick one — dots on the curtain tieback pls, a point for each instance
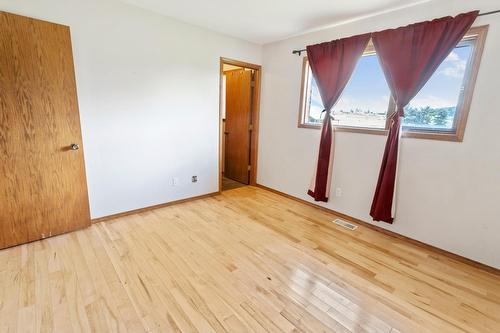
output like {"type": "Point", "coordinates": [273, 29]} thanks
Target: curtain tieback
{"type": "Point", "coordinates": [400, 111]}
{"type": "Point", "coordinates": [329, 112]}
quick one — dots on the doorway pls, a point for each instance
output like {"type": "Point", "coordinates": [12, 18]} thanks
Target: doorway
{"type": "Point", "coordinates": [239, 116]}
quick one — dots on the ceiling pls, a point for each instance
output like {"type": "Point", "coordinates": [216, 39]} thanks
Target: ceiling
{"type": "Point", "coordinates": [264, 21]}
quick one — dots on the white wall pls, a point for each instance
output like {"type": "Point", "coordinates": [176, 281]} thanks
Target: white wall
{"type": "Point", "coordinates": [148, 90]}
{"type": "Point", "coordinates": [449, 193]}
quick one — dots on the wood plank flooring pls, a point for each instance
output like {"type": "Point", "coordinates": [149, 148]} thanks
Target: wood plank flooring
{"type": "Point", "coordinates": [229, 184]}
{"type": "Point", "coordinates": [247, 260]}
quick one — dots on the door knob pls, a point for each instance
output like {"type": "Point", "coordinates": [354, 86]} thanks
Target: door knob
{"type": "Point", "coordinates": [74, 146]}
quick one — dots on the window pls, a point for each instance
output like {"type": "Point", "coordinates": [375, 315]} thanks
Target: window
{"type": "Point", "coordinates": [439, 111]}
{"type": "Point", "coordinates": [363, 104]}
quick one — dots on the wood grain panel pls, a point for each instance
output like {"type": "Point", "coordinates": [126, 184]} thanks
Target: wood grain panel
{"type": "Point", "coordinates": [237, 124]}
{"type": "Point", "coordinates": [43, 183]}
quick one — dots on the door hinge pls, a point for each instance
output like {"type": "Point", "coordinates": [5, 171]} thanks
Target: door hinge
{"type": "Point", "coordinates": [249, 167]}
{"type": "Point", "coordinates": [250, 128]}
{"type": "Point", "coordinates": [252, 83]}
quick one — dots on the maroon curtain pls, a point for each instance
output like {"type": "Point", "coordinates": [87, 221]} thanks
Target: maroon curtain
{"type": "Point", "coordinates": [409, 56]}
{"type": "Point", "coordinates": [332, 64]}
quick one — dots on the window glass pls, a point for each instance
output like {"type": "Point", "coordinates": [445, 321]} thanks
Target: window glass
{"type": "Point", "coordinates": [364, 101]}
{"type": "Point", "coordinates": [435, 106]}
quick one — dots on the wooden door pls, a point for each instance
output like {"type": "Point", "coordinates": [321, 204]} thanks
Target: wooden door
{"type": "Point", "coordinates": [43, 189]}
{"type": "Point", "coordinates": [237, 124]}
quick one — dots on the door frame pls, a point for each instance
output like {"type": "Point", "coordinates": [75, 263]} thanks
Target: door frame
{"type": "Point", "coordinates": [254, 134]}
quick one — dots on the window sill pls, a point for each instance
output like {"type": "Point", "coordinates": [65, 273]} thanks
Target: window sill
{"type": "Point", "coordinates": [454, 137]}
{"type": "Point", "coordinates": [362, 130]}
{"type": "Point", "coordinates": [440, 136]}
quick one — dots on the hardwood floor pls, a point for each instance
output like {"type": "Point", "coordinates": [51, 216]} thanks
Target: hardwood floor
{"type": "Point", "coordinates": [229, 184]}
{"type": "Point", "coordinates": [247, 260]}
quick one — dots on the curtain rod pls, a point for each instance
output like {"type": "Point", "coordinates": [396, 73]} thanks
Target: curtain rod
{"type": "Point", "coordinates": [299, 52]}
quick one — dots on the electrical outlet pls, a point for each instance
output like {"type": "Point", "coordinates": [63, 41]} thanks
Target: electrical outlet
{"type": "Point", "coordinates": [338, 192]}
{"type": "Point", "coordinates": [194, 179]}
{"type": "Point", "coordinates": [175, 181]}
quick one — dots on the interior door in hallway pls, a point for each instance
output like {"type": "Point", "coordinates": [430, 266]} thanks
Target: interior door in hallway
{"type": "Point", "coordinates": [237, 124]}
{"type": "Point", "coordinates": [43, 190]}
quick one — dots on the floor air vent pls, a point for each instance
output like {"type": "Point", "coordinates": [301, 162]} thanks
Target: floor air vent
{"type": "Point", "coordinates": [345, 224]}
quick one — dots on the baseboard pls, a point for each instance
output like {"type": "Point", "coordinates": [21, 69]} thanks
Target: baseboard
{"type": "Point", "coordinates": [445, 253]}
{"type": "Point", "coordinates": [145, 209]}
